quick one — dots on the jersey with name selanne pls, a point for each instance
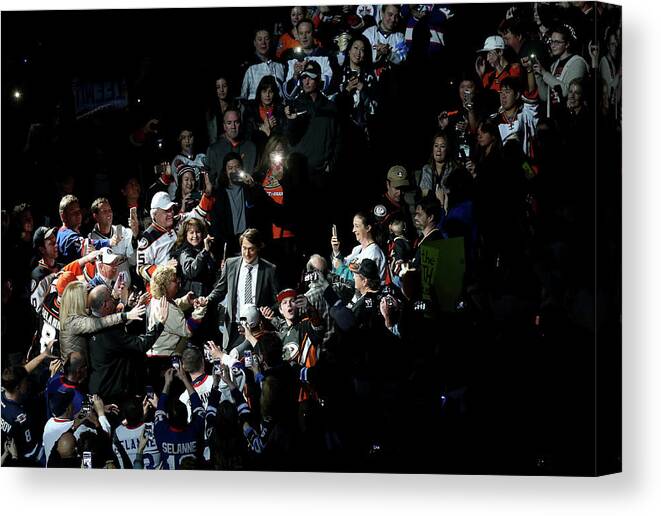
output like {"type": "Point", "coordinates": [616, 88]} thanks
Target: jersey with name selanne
{"type": "Point", "coordinates": [177, 444]}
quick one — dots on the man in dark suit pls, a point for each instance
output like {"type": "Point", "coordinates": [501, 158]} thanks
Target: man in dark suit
{"type": "Point", "coordinates": [246, 279]}
{"type": "Point", "coordinates": [116, 357]}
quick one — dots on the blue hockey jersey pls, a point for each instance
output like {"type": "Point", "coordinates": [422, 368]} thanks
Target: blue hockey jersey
{"type": "Point", "coordinates": [177, 444]}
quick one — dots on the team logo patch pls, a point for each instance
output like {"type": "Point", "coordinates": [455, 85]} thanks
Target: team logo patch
{"type": "Point", "coordinates": [143, 243]}
{"type": "Point", "coordinates": [380, 211]}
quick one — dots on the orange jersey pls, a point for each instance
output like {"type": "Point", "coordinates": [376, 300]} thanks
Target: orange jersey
{"type": "Point", "coordinates": [492, 81]}
{"type": "Point", "coordinates": [285, 42]}
{"type": "Point", "coordinates": [273, 189]}
{"type": "Point", "coordinates": [83, 273]}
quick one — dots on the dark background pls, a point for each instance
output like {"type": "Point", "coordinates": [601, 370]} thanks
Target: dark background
{"type": "Point", "coordinates": [170, 59]}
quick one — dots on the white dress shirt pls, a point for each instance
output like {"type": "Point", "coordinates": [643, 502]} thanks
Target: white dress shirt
{"type": "Point", "coordinates": [240, 286]}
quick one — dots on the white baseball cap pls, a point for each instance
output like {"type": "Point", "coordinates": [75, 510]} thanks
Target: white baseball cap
{"type": "Point", "coordinates": [161, 200]}
{"type": "Point", "coordinates": [109, 258]}
{"type": "Point", "coordinates": [493, 43]}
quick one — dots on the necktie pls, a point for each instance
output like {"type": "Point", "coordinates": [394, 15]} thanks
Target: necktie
{"type": "Point", "coordinates": [247, 292]}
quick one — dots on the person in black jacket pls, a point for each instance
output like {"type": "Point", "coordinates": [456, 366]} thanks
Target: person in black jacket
{"type": "Point", "coordinates": [115, 356]}
{"type": "Point", "coordinates": [234, 210]}
{"type": "Point", "coordinates": [312, 125]}
{"type": "Point", "coordinates": [499, 196]}
{"type": "Point", "coordinates": [196, 258]}
{"type": "Point", "coordinates": [314, 131]}
{"type": "Point", "coordinates": [265, 115]}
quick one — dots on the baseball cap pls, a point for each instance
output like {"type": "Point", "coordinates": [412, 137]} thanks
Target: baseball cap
{"type": "Point", "coordinates": [41, 235]}
{"type": "Point", "coordinates": [493, 43]}
{"type": "Point", "coordinates": [109, 258]}
{"type": "Point", "coordinates": [161, 200]}
{"type": "Point", "coordinates": [285, 294]}
{"type": "Point", "coordinates": [398, 176]}
{"type": "Point", "coordinates": [62, 282]}
{"type": "Point", "coordinates": [312, 70]}
{"type": "Point", "coordinates": [368, 269]}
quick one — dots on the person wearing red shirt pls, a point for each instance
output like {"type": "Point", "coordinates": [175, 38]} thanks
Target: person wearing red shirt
{"type": "Point", "coordinates": [499, 66]}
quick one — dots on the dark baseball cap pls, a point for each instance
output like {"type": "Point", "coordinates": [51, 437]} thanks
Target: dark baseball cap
{"type": "Point", "coordinates": [41, 234]}
{"type": "Point", "coordinates": [368, 269]}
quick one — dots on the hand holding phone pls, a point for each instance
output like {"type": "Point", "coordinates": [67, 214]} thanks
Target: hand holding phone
{"type": "Point", "coordinates": [335, 243]}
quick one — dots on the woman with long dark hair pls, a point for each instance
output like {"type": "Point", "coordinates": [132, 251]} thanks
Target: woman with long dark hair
{"type": "Point", "coordinates": [364, 231]}
{"type": "Point", "coordinates": [187, 195]}
{"type": "Point", "coordinates": [356, 99]}
{"type": "Point", "coordinates": [222, 101]}
{"type": "Point", "coordinates": [265, 115]}
{"type": "Point", "coordinates": [499, 198]}
{"type": "Point", "coordinates": [442, 165]}
{"type": "Point", "coordinates": [356, 105]}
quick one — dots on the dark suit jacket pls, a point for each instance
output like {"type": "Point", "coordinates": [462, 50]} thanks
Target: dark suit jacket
{"type": "Point", "coordinates": [216, 154]}
{"type": "Point", "coordinates": [267, 286]}
{"type": "Point", "coordinates": [117, 361]}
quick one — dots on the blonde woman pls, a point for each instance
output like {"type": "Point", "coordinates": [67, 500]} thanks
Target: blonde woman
{"type": "Point", "coordinates": [178, 329]}
{"type": "Point", "coordinates": [76, 322]}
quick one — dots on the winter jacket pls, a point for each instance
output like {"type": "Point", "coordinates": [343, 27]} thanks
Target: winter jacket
{"type": "Point", "coordinates": [74, 331]}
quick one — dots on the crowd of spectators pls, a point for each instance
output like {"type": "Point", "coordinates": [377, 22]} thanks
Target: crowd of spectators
{"type": "Point", "coordinates": [264, 302]}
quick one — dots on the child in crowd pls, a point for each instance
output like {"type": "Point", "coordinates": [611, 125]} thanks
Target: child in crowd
{"type": "Point", "coordinates": [399, 248]}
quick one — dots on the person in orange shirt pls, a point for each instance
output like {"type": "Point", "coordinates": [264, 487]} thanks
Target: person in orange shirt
{"type": "Point", "coordinates": [496, 67]}
{"type": "Point", "coordinates": [290, 38]}
{"type": "Point", "coordinates": [273, 175]}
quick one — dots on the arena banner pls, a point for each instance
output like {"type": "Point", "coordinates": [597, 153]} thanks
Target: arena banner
{"type": "Point", "coordinates": [100, 95]}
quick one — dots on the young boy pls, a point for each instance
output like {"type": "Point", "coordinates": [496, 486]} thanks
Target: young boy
{"type": "Point", "coordinates": [399, 248]}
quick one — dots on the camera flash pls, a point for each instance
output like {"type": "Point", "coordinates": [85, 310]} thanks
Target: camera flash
{"type": "Point", "coordinates": [17, 94]}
